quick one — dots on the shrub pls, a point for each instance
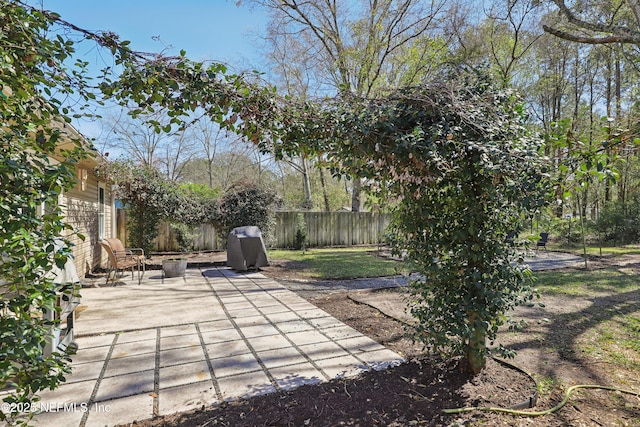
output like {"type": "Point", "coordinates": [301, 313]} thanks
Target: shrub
{"type": "Point", "coordinates": [193, 205]}
{"type": "Point", "coordinates": [151, 198]}
{"type": "Point", "coordinates": [185, 236]}
{"type": "Point", "coordinates": [249, 205]}
{"type": "Point", "coordinates": [565, 230]}
{"type": "Point", "coordinates": [458, 159]}
{"type": "Point", "coordinates": [619, 223]}
{"type": "Point", "coordinates": [301, 232]}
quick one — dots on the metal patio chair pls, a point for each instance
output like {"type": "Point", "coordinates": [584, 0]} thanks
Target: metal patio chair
{"type": "Point", "coordinates": [122, 259]}
{"type": "Point", "coordinates": [542, 243]}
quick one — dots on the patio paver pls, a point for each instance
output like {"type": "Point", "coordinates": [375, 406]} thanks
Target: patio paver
{"type": "Point", "coordinates": [171, 345]}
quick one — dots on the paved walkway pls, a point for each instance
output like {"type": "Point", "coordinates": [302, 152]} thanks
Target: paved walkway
{"type": "Point", "coordinates": [395, 304]}
{"type": "Point", "coordinates": [550, 260]}
{"type": "Point", "coordinates": [170, 345]}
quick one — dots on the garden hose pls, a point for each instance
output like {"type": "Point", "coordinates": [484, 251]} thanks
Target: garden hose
{"type": "Point", "coordinates": [539, 413]}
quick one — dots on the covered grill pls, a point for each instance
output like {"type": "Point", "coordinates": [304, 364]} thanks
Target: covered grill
{"type": "Point", "coordinates": [246, 249]}
{"type": "Point", "coordinates": [63, 335]}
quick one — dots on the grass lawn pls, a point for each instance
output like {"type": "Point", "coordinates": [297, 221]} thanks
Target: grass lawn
{"type": "Point", "coordinates": [595, 249]}
{"type": "Point", "coordinates": [607, 330]}
{"type": "Point", "coordinates": [586, 282]}
{"type": "Point", "coordinates": [340, 263]}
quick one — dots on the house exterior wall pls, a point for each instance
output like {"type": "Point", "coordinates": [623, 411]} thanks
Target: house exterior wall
{"type": "Point", "coordinates": [81, 205]}
{"type": "Point", "coordinates": [81, 209]}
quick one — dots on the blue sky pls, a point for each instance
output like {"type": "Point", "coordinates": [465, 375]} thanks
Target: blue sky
{"type": "Point", "coordinates": [207, 29]}
{"type": "Point", "coordinates": [216, 30]}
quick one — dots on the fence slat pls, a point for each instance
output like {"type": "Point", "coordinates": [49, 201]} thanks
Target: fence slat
{"type": "Point", "coordinates": [323, 229]}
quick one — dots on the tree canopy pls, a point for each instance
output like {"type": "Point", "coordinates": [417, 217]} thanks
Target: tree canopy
{"type": "Point", "coordinates": [32, 127]}
{"type": "Point", "coordinates": [457, 157]}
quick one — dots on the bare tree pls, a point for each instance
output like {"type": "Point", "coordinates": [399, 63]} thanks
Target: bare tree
{"type": "Point", "coordinates": [598, 22]}
{"type": "Point", "coordinates": [295, 78]}
{"type": "Point", "coordinates": [350, 47]}
{"type": "Point", "coordinates": [512, 34]}
{"type": "Point", "coordinates": [210, 141]}
{"type": "Point", "coordinates": [179, 150]}
{"type": "Point", "coordinates": [134, 139]}
{"type": "Point", "coordinates": [354, 44]}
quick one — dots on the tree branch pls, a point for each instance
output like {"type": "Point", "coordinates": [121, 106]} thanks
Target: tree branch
{"type": "Point", "coordinates": [591, 40]}
{"type": "Point", "coordinates": [617, 33]}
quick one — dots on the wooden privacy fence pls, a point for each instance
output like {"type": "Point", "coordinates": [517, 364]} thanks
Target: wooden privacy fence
{"type": "Point", "coordinates": [205, 239]}
{"type": "Point", "coordinates": [332, 228]}
{"type": "Point", "coordinates": [206, 236]}
{"type": "Point", "coordinates": [323, 229]}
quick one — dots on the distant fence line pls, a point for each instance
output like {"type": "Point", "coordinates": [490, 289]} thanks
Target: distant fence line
{"type": "Point", "coordinates": [323, 229]}
{"type": "Point", "coordinates": [332, 228]}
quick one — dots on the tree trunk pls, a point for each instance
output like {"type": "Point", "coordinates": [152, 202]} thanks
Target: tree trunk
{"type": "Point", "coordinates": [308, 203]}
{"type": "Point", "coordinates": [610, 89]}
{"type": "Point", "coordinates": [475, 359]}
{"type": "Point", "coordinates": [355, 195]}
{"type": "Point", "coordinates": [618, 86]}
{"type": "Point", "coordinates": [323, 183]}
{"type": "Point", "coordinates": [210, 173]}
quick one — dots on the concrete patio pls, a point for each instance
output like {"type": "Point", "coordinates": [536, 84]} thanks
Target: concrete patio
{"type": "Point", "coordinates": [171, 345]}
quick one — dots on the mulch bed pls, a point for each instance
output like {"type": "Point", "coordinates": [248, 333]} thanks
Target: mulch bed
{"type": "Point", "coordinates": [410, 394]}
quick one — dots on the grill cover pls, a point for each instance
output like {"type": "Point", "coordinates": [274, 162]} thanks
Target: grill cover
{"type": "Point", "coordinates": [246, 249]}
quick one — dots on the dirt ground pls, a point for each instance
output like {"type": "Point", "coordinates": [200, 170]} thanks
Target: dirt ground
{"type": "Point", "coordinates": [416, 392]}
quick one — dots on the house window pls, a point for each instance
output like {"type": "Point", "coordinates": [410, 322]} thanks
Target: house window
{"type": "Point", "coordinates": [44, 208]}
{"type": "Point", "coordinates": [101, 225]}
